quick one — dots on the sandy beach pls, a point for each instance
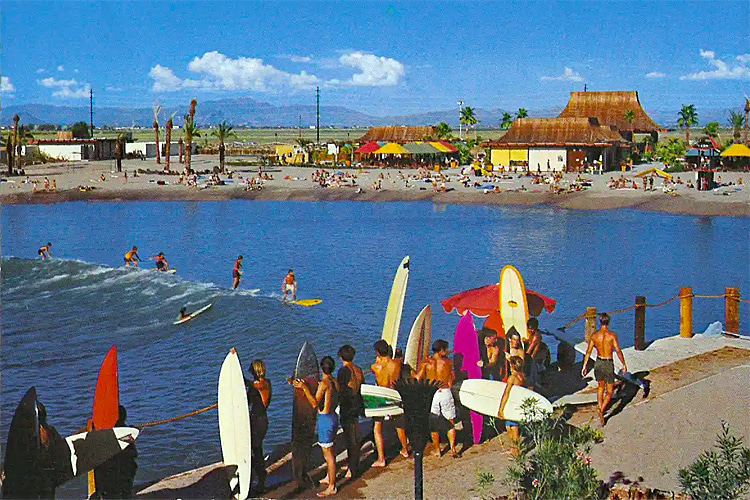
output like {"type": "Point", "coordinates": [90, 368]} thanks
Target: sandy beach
{"type": "Point", "coordinates": [295, 183]}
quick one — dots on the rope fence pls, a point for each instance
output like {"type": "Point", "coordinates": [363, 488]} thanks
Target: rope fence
{"type": "Point", "coordinates": [181, 417]}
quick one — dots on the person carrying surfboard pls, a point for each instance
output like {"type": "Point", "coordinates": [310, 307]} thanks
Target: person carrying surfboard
{"type": "Point", "coordinates": [517, 377]}
{"type": "Point", "coordinates": [44, 251]}
{"type": "Point", "coordinates": [605, 342]}
{"type": "Point", "coordinates": [387, 372]}
{"type": "Point", "coordinates": [326, 401]}
{"type": "Point", "coordinates": [258, 398]}
{"type": "Point", "coordinates": [161, 262]}
{"type": "Point", "coordinates": [289, 285]}
{"type": "Point", "coordinates": [443, 409]}
{"type": "Point", "coordinates": [132, 257]}
{"type": "Point", "coordinates": [237, 273]}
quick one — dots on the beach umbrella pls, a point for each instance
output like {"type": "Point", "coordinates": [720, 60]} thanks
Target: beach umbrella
{"type": "Point", "coordinates": [392, 149]}
{"type": "Point", "coordinates": [421, 148]}
{"type": "Point", "coordinates": [737, 151]}
{"type": "Point", "coordinates": [654, 171]}
{"type": "Point", "coordinates": [444, 146]}
{"type": "Point", "coordinates": [484, 301]}
{"type": "Point", "coordinates": [368, 148]}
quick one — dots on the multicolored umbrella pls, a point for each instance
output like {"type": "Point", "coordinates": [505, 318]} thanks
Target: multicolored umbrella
{"type": "Point", "coordinates": [392, 149]}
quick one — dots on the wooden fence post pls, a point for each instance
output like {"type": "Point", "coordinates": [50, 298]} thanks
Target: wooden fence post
{"type": "Point", "coordinates": [590, 322]}
{"type": "Point", "coordinates": [686, 311]}
{"type": "Point", "coordinates": [640, 323]}
{"type": "Point", "coordinates": [732, 301]}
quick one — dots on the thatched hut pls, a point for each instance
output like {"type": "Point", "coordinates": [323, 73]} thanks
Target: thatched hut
{"type": "Point", "coordinates": [557, 144]}
{"type": "Point", "coordinates": [398, 134]}
{"type": "Point", "coordinates": [611, 109]}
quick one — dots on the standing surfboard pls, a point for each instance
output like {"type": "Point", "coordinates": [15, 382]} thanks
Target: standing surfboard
{"type": "Point", "coordinates": [420, 336]}
{"type": "Point", "coordinates": [396, 304]}
{"type": "Point", "coordinates": [22, 449]}
{"type": "Point", "coordinates": [514, 309]}
{"type": "Point", "coordinates": [465, 358]}
{"type": "Point", "coordinates": [234, 424]}
{"type": "Point", "coordinates": [304, 416]}
{"type": "Point", "coordinates": [484, 396]}
{"type": "Point", "coordinates": [106, 400]}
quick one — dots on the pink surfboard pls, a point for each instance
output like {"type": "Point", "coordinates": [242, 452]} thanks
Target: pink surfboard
{"type": "Point", "coordinates": [465, 358]}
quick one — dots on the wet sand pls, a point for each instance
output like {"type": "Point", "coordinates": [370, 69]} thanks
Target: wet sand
{"type": "Point", "coordinates": [295, 183]}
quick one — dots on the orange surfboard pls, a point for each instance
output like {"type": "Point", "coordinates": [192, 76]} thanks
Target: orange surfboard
{"type": "Point", "coordinates": [107, 394]}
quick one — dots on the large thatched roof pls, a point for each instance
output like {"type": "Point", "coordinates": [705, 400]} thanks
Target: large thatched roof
{"type": "Point", "coordinates": [610, 108]}
{"type": "Point", "coordinates": [399, 134]}
{"type": "Point", "coordinates": [560, 132]}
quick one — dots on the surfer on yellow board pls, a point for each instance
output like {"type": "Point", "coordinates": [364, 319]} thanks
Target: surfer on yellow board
{"type": "Point", "coordinates": [161, 262]}
{"type": "Point", "coordinates": [289, 285]}
{"type": "Point", "coordinates": [132, 257]}
{"type": "Point", "coordinates": [44, 251]}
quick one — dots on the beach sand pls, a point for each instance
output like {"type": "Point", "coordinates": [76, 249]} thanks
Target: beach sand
{"type": "Point", "coordinates": [70, 175]}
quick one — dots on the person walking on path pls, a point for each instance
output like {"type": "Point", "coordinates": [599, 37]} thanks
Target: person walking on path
{"type": "Point", "coordinates": [605, 342]}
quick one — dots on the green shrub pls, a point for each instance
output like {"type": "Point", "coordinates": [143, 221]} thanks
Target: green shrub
{"type": "Point", "coordinates": [554, 461]}
{"type": "Point", "coordinates": [719, 475]}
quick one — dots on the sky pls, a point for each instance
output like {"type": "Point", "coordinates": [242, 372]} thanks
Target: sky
{"type": "Point", "coordinates": [377, 57]}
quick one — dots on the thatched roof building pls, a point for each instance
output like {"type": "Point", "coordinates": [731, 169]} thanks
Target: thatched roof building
{"type": "Point", "coordinates": [399, 134]}
{"type": "Point", "coordinates": [558, 132]}
{"type": "Point", "coordinates": [610, 108]}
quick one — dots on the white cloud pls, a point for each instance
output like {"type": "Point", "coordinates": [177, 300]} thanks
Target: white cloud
{"type": "Point", "coordinates": [374, 71]}
{"type": "Point", "coordinates": [75, 71]}
{"type": "Point", "coordinates": [219, 72]}
{"type": "Point", "coordinates": [61, 68]}
{"type": "Point", "coordinates": [568, 76]}
{"type": "Point", "coordinates": [655, 75]}
{"type": "Point", "coordinates": [722, 71]}
{"type": "Point", "coordinates": [296, 59]}
{"type": "Point", "coordinates": [40, 70]}
{"type": "Point", "coordinates": [71, 93]}
{"type": "Point", "coordinates": [164, 79]}
{"type": "Point", "coordinates": [6, 85]}
{"type": "Point", "coordinates": [113, 89]}
{"type": "Point", "coordinates": [66, 89]}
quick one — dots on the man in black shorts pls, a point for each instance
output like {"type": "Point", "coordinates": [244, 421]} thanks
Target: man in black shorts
{"type": "Point", "coordinates": [606, 343]}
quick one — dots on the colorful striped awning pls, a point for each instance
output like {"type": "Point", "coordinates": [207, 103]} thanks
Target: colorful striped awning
{"type": "Point", "coordinates": [444, 147]}
{"type": "Point", "coordinates": [421, 148]}
{"type": "Point", "coordinates": [368, 148]}
{"type": "Point", "coordinates": [392, 149]}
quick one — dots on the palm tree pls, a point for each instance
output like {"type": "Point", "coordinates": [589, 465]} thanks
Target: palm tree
{"type": "Point", "coordinates": [688, 117]}
{"type": "Point", "coordinates": [16, 118]}
{"type": "Point", "coordinates": [191, 130]}
{"type": "Point", "coordinates": [119, 147]}
{"type": "Point", "coordinates": [443, 130]}
{"type": "Point", "coordinates": [711, 129]}
{"type": "Point", "coordinates": [193, 104]}
{"type": "Point", "coordinates": [522, 113]}
{"type": "Point", "coordinates": [157, 110]}
{"type": "Point", "coordinates": [468, 118]}
{"type": "Point", "coordinates": [9, 153]}
{"type": "Point", "coordinates": [167, 146]}
{"type": "Point", "coordinates": [507, 121]}
{"type": "Point", "coordinates": [223, 133]}
{"type": "Point", "coordinates": [747, 117]}
{"type": "Point", "coordinates": [736, 122]}
{"type": "Point", "coordinates": [630, 118]}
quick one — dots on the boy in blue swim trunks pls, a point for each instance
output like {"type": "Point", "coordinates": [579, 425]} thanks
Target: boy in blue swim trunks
{"type": "Point", "coordinates": [516, 377]}
{"type": "Point", "coordinates": [326, 401]}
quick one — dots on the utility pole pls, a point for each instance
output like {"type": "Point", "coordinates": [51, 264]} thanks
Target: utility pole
{"type": "Point", "coordinates": [584, 87]}
{"type": "Point", "coordinates": [460, 111]}
{"type": "Point", "coordinates": [300, 126]}
{"type": "Point", "coordinates": [91, 111]}
{"type": "Point", "coordinates": [747, 115]}
{"type": "Point", "coordinates": [317, 123]}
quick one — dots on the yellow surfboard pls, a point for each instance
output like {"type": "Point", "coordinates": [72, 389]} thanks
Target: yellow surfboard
{"type": "Point", "coordinates": [513, 306]}
{"type": "Point", "coordinates": [306, 303]}
{"type": "Point", "coordinates": [392, 322]}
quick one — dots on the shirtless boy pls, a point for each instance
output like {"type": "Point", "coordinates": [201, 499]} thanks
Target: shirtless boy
{"type": "Point", "coordinates": [237, 273]}
{"type": "Point", "coordinates": [44, 251]}
{"type": "Point", "coordinates": [493, 368]}
{"type": "Point", "coordinates": [387, 372]}
{"type": "Point", "coordinates": [289, 285]}
{"type": "Point", "coordinates": [443, 410]}
{"type": "Point", "coordinates": [132, 257]}
{"type": "Point", "coordinates": [516, 377]}
{"type": "Point", "coordinates": [605, 342]}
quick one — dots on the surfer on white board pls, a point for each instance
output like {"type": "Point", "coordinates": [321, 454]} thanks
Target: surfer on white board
{"type": "Point", "coordinates": [161, 262]}
{"type": "Point", "coordinates": [44, 251]}
{"type": "Point", "coordinates": [289, 285]}
{"type": "Point", "coordinates": [237, 273]}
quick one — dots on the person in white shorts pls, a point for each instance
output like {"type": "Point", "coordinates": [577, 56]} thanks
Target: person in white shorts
{"type": "Point", "coordinates": [442, 419]}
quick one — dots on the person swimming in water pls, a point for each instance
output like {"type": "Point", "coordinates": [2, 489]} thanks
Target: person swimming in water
{"type": "Point", "coordinates": [132, 257]}
{"type": "Point", "coordinates": [44, 251]}
{"type": "Point", "coordinates": [161, 262]}
{"type": "Point", "coordinates": [237, 273]}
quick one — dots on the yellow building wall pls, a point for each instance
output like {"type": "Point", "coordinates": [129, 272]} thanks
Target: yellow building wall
{"type": "Point", "coordinates": [503, 157]}
{"type": "Point", "coordinates": [519, 155]}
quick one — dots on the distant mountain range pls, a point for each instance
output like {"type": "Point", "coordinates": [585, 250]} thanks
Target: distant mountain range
{"type": "Point", "coordinates": [249, 112]}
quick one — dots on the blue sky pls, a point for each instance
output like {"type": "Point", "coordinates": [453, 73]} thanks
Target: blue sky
{"type": "Point", "coordinates": [377, 57]}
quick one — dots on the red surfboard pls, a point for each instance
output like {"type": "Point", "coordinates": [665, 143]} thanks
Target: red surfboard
{"type": "Point", "coordinates": [107, 394]}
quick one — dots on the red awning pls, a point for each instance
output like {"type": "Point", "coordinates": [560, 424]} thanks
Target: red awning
{"type": "Point", "coordinates": [486, 300]}
{"type": "Point", "coordinates": [368, 148]}
{"type": "Point", "coordinates": [451, 147]}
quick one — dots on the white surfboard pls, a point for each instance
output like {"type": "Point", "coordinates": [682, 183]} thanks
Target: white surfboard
{"type": "Point", "coordinates": [484, 396]}
{"type": "Point", "coordinates": [619, 372]}
{"type": "Point", "coordinates": [234, 424]}
{"type": "Point", "coordinates": [382, 401]}
{"type": "Point", "coordinates": [392, 323]}
{"type": "Point", "coordinates": [514, 310]}
{"type": "Point", "coordinates": [193, 315]}
{"type": "Point", "coordinates": [420, 336]}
